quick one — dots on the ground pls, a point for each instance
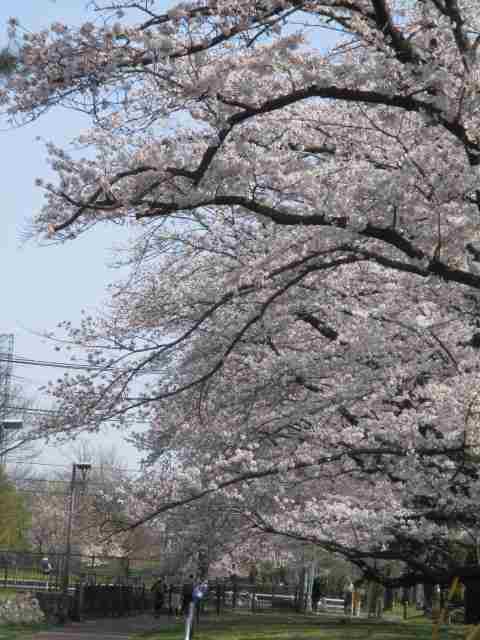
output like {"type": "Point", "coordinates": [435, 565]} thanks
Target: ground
{"type": "Point", "coordinates": [19, 632]}
{"type": "Point", "coordinates": [240, 626]}
{"type": "Point", "coordinates": [296, 627]}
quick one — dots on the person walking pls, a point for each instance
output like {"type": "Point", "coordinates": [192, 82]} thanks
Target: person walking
{"type": "Point", "coordinates": [158, 590]}
{"type": "Point", "coordinates": [175, 600]}
{"type": "Point", "coordinates": [316, 592]}
{"type": "Point", "coordinates": [187, 594]}
{"type": "Point", "coordinates": [46, 568]}
{"type": "Point", "coordinates": [348, 598]}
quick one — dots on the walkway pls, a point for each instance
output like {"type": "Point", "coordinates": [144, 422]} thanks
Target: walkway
{"type": "Point", "coordinates": [106, 628]}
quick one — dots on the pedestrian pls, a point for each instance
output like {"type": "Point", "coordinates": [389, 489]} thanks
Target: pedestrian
{"type": "Point", "coordinates": [46, 568]}
{"type": "Point", "coordinates": [187, 594]}
{"type": "Point", "coordinates": [175, 600]}
{"type": "Point", "coordinates": [316, 592]}
{"type": "Point", "coordinates": [158, 590]}
{"type": "Point", "coordinates": [348, 598]}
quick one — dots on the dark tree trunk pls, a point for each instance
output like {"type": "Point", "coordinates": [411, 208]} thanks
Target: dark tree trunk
{"type": "Point", "coordinates": [472, 600]}
{"type": "Point", "coordinates": [388, 599]}
{"type": "Point", "coordinates": [411, 595]}
{"type": "Point", "coordinates": [427, 598]}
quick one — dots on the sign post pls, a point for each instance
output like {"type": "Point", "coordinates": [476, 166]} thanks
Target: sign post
{"type": "Point", "coordinates": [198, 593]}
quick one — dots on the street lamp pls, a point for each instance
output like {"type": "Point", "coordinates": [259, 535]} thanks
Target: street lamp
{"type": "Point", "coordinates": [7, 425]}
{"type": "Point", "coordinates": [83, 469]}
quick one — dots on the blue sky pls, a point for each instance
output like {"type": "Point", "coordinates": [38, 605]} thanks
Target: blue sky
{"type": "Point", "coordinates": [42, 286]}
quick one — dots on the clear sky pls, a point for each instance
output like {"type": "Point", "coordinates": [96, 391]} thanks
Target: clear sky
{"type": "Point", "coordinates": [42, 286]}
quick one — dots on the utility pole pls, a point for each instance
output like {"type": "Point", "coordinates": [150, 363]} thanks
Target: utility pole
{"type": "Point", "coordinates": [72, 500]}
{"type": "Point", "coordinates": [6, 363]}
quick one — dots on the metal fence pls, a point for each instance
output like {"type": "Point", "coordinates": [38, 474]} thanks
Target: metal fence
{"type": "Point", "coordinates": [21, 569]}
{"type": "Point", "coordinates": [242, 594]}
{"type": "Point", "coordinates": [113, 600]}
{"type": "Point", "coordinates": [110, 586]}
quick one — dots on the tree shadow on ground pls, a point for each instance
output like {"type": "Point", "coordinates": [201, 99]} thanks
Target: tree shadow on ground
{"type": "Point", "coordinates": [243, 626]}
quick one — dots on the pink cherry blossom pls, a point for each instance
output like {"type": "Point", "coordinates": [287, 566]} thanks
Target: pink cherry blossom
{"type": "Point", "coordinates": [300, 326]}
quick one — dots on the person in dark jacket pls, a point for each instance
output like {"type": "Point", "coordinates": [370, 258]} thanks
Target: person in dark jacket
{"type": "Point", "coordinates": [187, 594]}
{"type": "Point", "coordinates": [158, 590]}
{"type": "Point", "coordinates": [316, 592]}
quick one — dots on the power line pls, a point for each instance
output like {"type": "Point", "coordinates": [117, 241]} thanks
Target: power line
{"type": "Point", "coordinates": [85, 366]}
{"type": "Point", "coordinates": [56, 414]}
{"type": "Point", "coordinates": [21, 480]}
{"type": "Point", "coordinates": [26, 481]}
{"type": "Point", "coordinates": [46, 412]}
{"type": "Point", "coordinates": [69, 466]}
{"type": "Point", "coordinates": [61, 365]}
{"type": "Point", "coordinates": [40, 464]}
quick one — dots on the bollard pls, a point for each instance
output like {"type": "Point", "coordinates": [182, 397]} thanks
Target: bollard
{"type": "Point", "coordinates": [218, 594]}
{"type": "Point", "coordinates": [198, 593]}
{"type": "Point", "coordinates": [189, 621]}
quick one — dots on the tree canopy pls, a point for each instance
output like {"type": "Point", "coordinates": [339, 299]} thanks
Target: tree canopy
{"type": "Point", "coordinates": [15, 522]}
{"type": "Point", "coordinates": [300, 324]}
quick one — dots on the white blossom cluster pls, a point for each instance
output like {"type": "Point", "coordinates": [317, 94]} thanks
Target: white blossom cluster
{"type": "Point", "coordinates": [299, 329]}
{"type": "Point", "coordinates": [23, 609]}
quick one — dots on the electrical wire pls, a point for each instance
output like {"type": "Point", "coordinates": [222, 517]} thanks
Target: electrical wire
{"type": "Point", "coordinates": [21, 360]}
{"type": "Point", "coordinates": [85, 366]}
{"type": "Point", "coordinates": [54, 414]}
{"type": "Point", "coordinates": [43, 412]}
{"type": "Point", "coordinates": [69, 466]}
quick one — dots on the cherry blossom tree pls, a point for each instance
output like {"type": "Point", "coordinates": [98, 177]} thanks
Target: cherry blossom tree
{"type": "Point", "coordinates": [47, 508]}
{"type": "Point", "coordinates": [300, 326]}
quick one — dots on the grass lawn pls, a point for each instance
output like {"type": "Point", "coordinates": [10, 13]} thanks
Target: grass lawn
{"type": "Point", "coordinates": [267, 626]}
{"type": "Point", "coordinates": [20, 632]}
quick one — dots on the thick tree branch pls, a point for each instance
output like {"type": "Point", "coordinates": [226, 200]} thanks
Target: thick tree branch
{"type": "Point", "coordinates": [403, 47]}
{"type": "Point", "coordinates": [388, 235]}
{"type": "Point", "coordinates": [324, 329]}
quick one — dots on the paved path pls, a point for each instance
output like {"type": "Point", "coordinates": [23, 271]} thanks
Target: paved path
{"type": "Point", "coordinates": [106, 628]}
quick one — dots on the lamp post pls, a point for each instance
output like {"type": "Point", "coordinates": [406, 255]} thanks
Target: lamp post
{"type": "Point", "coordinates": [83, 469]}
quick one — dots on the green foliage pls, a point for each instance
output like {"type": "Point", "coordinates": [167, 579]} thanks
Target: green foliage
{"type": "Point", "coordinates": [15, 521]}
{"type": "Point", "coordinates": [267, 571]}
{"type": "Point", "coordinates": [8, 62]}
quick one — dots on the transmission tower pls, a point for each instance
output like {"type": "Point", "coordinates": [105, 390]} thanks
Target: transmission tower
{"type": "Point", "coordinates": [6, 365]}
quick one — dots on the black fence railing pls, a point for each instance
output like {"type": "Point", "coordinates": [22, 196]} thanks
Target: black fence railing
{"type": "Point", "coordinates": [114, 600]}
{"type": "Point", "coordinates": [241, 594]}
{"type": "Point", "coordinates": [119, 600]}
{"type": "Point", "coordinates": [26, 569]}
{"type": "Point", "coordinates": [111, 586]}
